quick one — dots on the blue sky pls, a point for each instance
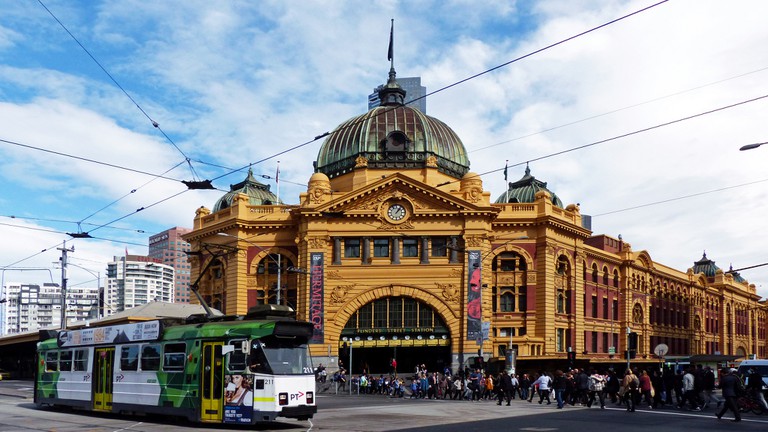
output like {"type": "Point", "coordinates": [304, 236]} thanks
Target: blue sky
{"type": "Point", "coordinates": [232, 83]}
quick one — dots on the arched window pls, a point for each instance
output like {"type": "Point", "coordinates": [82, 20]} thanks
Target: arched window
{"type": "Point", "coordinates": [594, 273]}
{"type": "Point", "coordinates": [605, 275]}
{"type": "Point", "coordinates": [507, 302]}
{"type": "Point", "coordinates": [616, 278]}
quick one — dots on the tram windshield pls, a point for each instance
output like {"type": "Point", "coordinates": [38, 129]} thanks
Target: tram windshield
{"type": "Point", "coordinates": [273, 356]}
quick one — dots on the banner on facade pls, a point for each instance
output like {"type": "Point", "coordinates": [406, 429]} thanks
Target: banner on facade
{"type": "Point", "coordinates": [474, 297]}
{"type": "Point", "coordinates": [316, 288]}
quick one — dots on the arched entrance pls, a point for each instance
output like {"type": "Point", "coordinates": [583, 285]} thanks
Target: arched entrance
{"type": "Point", "coordinates": [402, 328]}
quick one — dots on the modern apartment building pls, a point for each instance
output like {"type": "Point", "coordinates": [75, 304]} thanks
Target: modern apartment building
{"type": "Point", "coordinates": [135, 280]}
{"type": "Point", "coordinates": [29, 307]}
{"type": "Point", "coordinates": [170, 248]}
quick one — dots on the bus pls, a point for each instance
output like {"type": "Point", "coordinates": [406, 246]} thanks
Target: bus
{"type": "Point", "coordinates": [227, 369]}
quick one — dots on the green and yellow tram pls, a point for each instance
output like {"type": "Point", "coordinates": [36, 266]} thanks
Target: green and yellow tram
{"type": "Point", "coordinates": [240, 370]}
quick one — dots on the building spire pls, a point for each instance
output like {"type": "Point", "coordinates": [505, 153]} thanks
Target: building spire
{"type": "Point", "coordinates": [391, 93]}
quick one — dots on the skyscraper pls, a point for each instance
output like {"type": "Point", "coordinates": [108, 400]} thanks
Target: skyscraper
{"type": "Point", "coordinates": [170, 248]}
{"type": "Point", "coordinates": [413, 90]}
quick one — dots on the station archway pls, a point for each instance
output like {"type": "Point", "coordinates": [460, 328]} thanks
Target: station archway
{"type": "Point", "coordinates": [398, 327]}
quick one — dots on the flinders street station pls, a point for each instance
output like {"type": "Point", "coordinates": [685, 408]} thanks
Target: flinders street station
{"type": "Point", "coordinates": [396, 250]}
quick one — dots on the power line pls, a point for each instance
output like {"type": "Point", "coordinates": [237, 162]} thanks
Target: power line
{"type": "Point", "coordinates": [680, 198]}
{"type": "Point", "coordinates": [154, 123]}
{"type": "Point", "coordinates": [550, 129]}
{"type": "Point", "coordinates": [349, 125]}
{"type": "Point", "coordinates": [89, 160]}
{"type": "Point", "coordinates": [614, 138]}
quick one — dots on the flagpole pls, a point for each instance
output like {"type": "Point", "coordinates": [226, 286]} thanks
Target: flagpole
{"type": "Point", "coordinates": [279, 264]}
{"type": "Point", "coordinates": [506, 194]}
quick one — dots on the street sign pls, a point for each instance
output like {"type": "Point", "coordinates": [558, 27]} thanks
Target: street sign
{"type": "Point", "coordinates": [612, 350]}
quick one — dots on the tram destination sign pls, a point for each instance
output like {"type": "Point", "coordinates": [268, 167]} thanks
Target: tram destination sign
{"type": "Point", "coordinates": [134, 332]}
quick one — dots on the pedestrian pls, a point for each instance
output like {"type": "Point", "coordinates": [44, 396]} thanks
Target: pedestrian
{"type": "Point", "coordinates": [629, 388]}
{"type": "Point", "coordinates": [755, 386]}
{"type": "Point", "coordinates": [558, 385]}
{"type": "Point", "coordinates": [504, 389]}
{"type": "Point", "coordinates": [596, 387]}
{"type": "Point", "coordinates": [689, 393]}
{"type": "Point", "coordinates": [544, 383]}
{"type": "Point", "coordinates": [525, 386]}
{"type": "Point", "coordinates": [731, 385]}
{"type": "Point", "coordinates": [646, 388]}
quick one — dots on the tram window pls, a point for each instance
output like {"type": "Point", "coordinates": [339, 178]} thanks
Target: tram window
{"type": "Point", "coordinates": [129, 358]}
{"type": "Point", "coordinates": [81, 360]}
{"type": "Point", "coordinates": [150, 357]}
{"type": "Point", "coordinates": [174, 357]}
{"type": "Point", "coordinates": [52, 361]}
{"type": "Point", "coordinates": [65, 361]}
{"type": "Point", "coordinates": [236, 362]}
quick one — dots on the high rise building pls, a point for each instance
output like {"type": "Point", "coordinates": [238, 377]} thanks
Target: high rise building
{"type": "Point", "coordinates": [135, 280]}
{"type": "Point", "coordinates": [29, 307]}
{"type": "Point", "coordinates": [170, 248]}
{"type": "Point", "coordinates": [413, 90]}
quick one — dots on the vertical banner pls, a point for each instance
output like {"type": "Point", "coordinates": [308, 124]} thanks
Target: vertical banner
{"type": "Point", "coordinates": [474, 297]}
{"type": "Point", "coordinates": [316, 288]}
{"type": "Point", "coordinates": [238, 399]}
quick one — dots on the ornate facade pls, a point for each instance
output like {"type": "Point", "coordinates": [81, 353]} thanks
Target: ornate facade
{"type": "Point", "coordinates": [396, 250]}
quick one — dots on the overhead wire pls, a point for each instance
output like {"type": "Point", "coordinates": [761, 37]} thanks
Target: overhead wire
{"type": "Point", "coordinates": [613, 111]}
{"type": "Point", "coordinates": [383, 112]}
{"type": "Point", "coordinates": [112, 78]}
{"type": "Point", "coordinates": [616, 137]}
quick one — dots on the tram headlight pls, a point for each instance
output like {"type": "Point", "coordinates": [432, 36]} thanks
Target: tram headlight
{"type": "Point", "coordinates": [310, 398]}
{"type": "Point", "coordinates": [282, 399]}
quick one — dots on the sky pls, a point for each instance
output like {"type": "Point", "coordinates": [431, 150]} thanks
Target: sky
{"type": "Point", "coordinates": [639, 121]}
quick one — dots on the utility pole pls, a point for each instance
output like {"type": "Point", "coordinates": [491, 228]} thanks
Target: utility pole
{"type": "Point", "coordinates": [64, 251]}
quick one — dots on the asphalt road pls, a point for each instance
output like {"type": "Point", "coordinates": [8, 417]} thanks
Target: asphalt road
{"type": "Point", "coordinates": [378, 413]}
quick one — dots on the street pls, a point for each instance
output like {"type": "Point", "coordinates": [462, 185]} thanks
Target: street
{"type": "Point", "coordinates": [379, 413]}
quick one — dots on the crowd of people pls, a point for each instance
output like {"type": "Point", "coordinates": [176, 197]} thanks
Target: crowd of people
{"type": "Point", "coordinates": [692, 388]}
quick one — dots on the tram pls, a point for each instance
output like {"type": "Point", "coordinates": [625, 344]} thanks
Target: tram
{"type": "Point", "coordinates": [232, 369]}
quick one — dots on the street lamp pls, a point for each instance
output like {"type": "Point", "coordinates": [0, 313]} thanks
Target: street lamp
{"type": "Point", "coordinates": [98, 287]}
{"type": "Point", "coordinates": [752, 146]}
{"type": "Point", "coordinates": [276, 261]}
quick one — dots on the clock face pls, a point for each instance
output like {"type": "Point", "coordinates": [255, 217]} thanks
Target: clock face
{"type": "Point", "coordinates": [396, 212]}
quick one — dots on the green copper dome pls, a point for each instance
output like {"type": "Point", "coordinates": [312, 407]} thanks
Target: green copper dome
{"type": "Point", "coordinates": [706, 266]}
{"type": "Point", "coordinates": [258, 193]}
{"type": "Point", "coordinates": [392, 135]}
{"type": "Point", "coordinates": [525, 189]}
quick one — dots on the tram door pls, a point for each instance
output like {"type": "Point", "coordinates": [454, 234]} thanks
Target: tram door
{"type": "Point", "coordinates": [211, 382]}
{"type": "Point", "coordinates": [102, 379]}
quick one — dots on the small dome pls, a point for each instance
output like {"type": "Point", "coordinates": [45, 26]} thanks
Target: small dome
{"type": "Point", "coordinates": [258, 193]}
{"type": "Point", "coordinates": [736, 276]}
{"type": "Point", "coordinates": [706, 266]}
{"type": "Point", "coordinates": [392, 135]}
{"type": "Point", "coordinates": [525, 190]}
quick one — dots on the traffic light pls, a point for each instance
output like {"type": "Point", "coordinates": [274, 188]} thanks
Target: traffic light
{"type": "Point", "coordinates": [632, 341]}
{"type": "Point", "coordinates": [571, 356]}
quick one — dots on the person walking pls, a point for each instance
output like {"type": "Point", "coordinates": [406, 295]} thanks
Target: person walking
{"type": "Point", "coordinates": [755, 386]}
{"type": "Point", "coordinates": [558, 385]}
{"type": "Point", "coordinates": [505, 389]}
{"type": "Point", "coordinates": [544, 382]}
{"type": "Point", "coordinates": [596, 387]}
{"type": "Point", "coordinates": [730, 384]}
{"type": "Point", "coordinates": [629, 387]}
{"type": "Point", "coordinates": [689, 394]}
{"type": "Point", "coordinates": [646, 387]}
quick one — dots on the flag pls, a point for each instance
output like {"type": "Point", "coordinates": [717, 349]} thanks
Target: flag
{"type": "Point", "coordinates": [390, 53]}
{"type": "Point", "coordinates": [126, 251]}
{"type": "Point", "coordinates": [277, 174]}
{"type": "Point", "coordinates": [506, 163]}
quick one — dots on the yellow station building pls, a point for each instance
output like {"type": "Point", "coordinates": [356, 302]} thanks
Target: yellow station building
{"type": "Point", "coordinates": [397, 250]}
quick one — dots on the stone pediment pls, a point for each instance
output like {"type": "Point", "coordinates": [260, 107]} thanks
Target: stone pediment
{"type": "Point", "coordinates": [418, 198]}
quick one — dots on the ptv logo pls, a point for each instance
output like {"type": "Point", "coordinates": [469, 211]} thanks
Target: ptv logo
{"type": "Point", "coordinates": [296, 396]}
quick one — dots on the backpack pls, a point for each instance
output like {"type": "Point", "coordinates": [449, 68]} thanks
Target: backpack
{"type": "Point", "coordinates": [634, 383]}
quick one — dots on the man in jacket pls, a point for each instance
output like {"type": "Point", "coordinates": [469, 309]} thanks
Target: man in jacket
{"type": "Point", "coordinates": [730, 382]}
{"type": "Point", "coordinates": [688, 391]}
{"type": "Point", "coordinates": [755, 386]}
